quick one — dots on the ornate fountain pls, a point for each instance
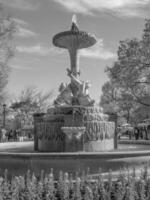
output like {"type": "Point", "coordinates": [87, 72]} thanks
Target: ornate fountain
{"type": "Point", "coordinates": [73, 123]}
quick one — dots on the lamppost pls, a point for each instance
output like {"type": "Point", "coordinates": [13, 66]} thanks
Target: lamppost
{"type": "Point", "coordinates": [4, 115]}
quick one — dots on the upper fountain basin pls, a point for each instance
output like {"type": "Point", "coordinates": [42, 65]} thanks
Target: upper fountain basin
{"type": "Point", "coordinates": [78, 40]}
{"type": "Point", "coordinates": [74, 38]}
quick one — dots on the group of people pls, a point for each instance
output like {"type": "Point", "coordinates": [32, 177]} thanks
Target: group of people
{"type": "Point", "coordinates": [136, 133]}
{"type": "Point", "coordinates": [9, 135]}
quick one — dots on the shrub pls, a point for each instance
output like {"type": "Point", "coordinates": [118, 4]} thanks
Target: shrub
{"type": "Point", "coordinates": [81, 187]}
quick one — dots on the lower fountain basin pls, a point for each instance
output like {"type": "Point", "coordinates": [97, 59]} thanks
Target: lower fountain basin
{"type": "Point", "coordinates": [99, 145]}
{"type": "Point", "coordinates": [18, 157]}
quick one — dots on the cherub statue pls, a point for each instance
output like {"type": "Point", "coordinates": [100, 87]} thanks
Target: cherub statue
{"type": "Point", "coordinates": [65, 96]}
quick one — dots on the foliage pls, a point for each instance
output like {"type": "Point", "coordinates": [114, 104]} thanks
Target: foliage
{"type": "Point", "coordinates": [109, 97]}
{"type": "Point", "coordinates": [126, 186]}
{"type": "Point", "coordinates": [115, 100]}
{"type": "Point", "coordinates": [30, 101]}
{"type": "Point", "coordinates": [132, 69]}
{"type": "Point", "coordinates": [7, 30]}
{"type": "Point", "coordinates": [128, 88]}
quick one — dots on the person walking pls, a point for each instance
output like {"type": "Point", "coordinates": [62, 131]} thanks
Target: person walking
{"type": "Point", "coordinates": [4, 137]}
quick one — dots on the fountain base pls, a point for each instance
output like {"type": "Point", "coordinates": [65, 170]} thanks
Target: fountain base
{"type": "Point", "coordinates": [62, 130]}
{"type": "Point", "coordinates": [74, 138]}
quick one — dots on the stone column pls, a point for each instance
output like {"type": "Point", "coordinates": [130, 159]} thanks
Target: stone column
{"type": "Point", "coordinates": [113, 117]}
{"type": "Point", "coordinates": [74, 61]}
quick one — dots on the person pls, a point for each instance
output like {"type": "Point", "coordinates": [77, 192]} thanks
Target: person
{"type": "Point", "coordinates": [0, 134]}
{"type": "Point", "coordinates": [4, 132]}
{"type": "Point", "coordinates": [136, 133]}
{"type": "Point", "coordinates": [10, 135]}
{"type": "Point", "coordinates": [15, 135]}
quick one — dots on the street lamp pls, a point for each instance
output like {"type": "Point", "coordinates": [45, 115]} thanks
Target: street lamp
{"type": "Point", "coordinates": [4, 115]}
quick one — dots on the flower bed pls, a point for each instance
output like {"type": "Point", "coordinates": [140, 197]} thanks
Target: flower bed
{"type": "Point", "coordinates": [81, 187]}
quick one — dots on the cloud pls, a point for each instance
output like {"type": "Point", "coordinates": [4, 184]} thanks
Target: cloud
{"type": "Point", "coordinates": [126, 8]}
{"type": "Point", "coordinates": [24, 32]}
{"type": "Point", "coordinates": [21, 63]}
{"type": "Point", "coordinates": [19, 67]}
{"type": "Point", "coordinates": [21, 4]}
{"type": "Point", "coordinates": [38, 50]}
{"type": "Point", "coordinates": [97, 52]}
{"type": "Point", "coordinates": [19, 21]}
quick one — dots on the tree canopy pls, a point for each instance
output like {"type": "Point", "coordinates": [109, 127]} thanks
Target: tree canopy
{"type": "Point", "coordinates": [116, 100]}
{"type": "Point", "coordinates": [30, 101]}
{"type": "Point", "coordinates": [132, 69]}
{"type": "Point", "coordinates": [128, 90]}
{"type": "Point", "coordinates": [7, 30]}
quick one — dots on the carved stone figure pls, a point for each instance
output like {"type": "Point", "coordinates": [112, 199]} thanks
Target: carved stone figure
{"type": "Point", "coordinates": [65, 96]}
{"type": "Point", "coordinates": [80, 90]}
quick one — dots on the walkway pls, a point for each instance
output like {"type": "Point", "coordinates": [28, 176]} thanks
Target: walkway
{"type": "Point", "coordinates": [26, 146]}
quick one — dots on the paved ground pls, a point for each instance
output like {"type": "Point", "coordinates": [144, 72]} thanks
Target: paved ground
{"type": "Point", "coordinates": [28, 147]}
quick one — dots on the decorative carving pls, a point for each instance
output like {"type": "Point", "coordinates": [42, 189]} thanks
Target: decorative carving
{"type": "Point", "coordinates": [65, 96]}
{"type": "Point", "coordinates": [73, 132]}
{"type": "Point", "coordinates": [76, 93]}
{"type": "Point", "coordinates": [80, 90]}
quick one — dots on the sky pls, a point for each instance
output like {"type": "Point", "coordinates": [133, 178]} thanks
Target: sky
{"type": "Point", "coordinates": [38, 63]}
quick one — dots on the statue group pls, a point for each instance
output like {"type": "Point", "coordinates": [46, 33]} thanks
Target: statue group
{"type": "Point", "coordinates": [74, 93]}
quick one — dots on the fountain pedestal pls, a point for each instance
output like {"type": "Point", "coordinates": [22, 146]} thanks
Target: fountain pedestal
{"type": "Point", "coordinates": [74, 138]}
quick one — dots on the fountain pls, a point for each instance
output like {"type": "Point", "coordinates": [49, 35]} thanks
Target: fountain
{"type": "Point", "coordinates": [74, 123]}
{"type": "Point", "coordinates": [73, 134]}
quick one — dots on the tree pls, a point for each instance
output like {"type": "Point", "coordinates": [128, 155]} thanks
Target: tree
{"type": "Point", "coordinates": [116, 100]}
{"type": "Point", "coordinates": [7, 30]}
{"type": "Point", "coordinates": [132, 69]}
{"type": "Point", "coordinates": [126, 105]}
{"type": "Point", "coordinates": [30, 99]}
{"type": "Point", "coordinates": [29, 102]}
{"type": "Point", "coordinates": [109, 98]}
{"type": "Point", "coordinates": [130, 77]}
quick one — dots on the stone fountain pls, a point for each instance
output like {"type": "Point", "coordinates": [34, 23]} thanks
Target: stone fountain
{"type": "Point", "coordinates": [73, 134]}
{"type": "Point", "coordinates": [73, 124]}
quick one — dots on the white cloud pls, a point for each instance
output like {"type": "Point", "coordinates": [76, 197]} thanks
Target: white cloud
{"type": "Point", "coordinates": [21, 67]}
{"type": "Point", "coordinates": [19, 21]}
{"type": "Point", "coordinates": [24, 32]}
{"type": "Point", "coordinates": [21, 63]}
{"type": "Point", "coordinates": [38, 50]}
{"type": "Point", "coordinates": [21, 4]}
{"type": "Point", "coordinates": [97, 52]}
{"type": "Point", "coordinates": [18, 67]}
{"type": "Point", "coordinates": [21, 29]}
{"type": "Point", "coordinates": [128, 8]}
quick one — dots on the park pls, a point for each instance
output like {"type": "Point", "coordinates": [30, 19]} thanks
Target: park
{"type": "Point", "coordinates": [69, 145]}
